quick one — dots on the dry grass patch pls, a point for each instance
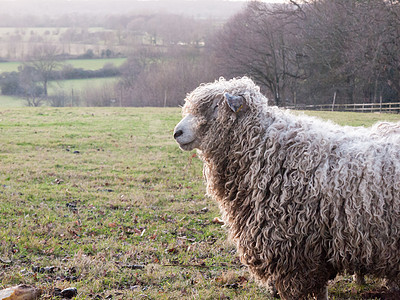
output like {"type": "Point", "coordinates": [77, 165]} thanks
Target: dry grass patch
{"type": "Point", "coordinates": [103, 200]}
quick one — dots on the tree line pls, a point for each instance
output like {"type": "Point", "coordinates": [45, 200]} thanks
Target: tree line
{"type": "Point", "coordinates": [313, 51]}
{"type": "Point", "coordinates": [299, 53]}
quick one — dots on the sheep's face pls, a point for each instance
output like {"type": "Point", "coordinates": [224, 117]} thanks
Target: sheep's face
{"type": "Point", "coordinates": [202, 116]}
{"type": "Point", "coordinates": [185, 133]}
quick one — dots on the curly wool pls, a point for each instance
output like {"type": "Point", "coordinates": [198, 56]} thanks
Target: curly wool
{"type": "Point", "coordinates": [304, 199]}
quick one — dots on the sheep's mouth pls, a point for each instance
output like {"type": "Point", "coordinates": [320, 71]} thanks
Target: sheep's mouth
{"type": "Point", "coordinates": [188, 146]}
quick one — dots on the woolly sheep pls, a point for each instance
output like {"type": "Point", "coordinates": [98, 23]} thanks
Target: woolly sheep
{"type": "Point", "coordinates": [304, 199]}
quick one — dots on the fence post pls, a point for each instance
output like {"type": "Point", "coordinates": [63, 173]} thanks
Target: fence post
{"type": "Point", "coordinates": [295, 99]}
{"type": "Point", "coordinates": [334, 99]}
{"type": "Point", "coordinates": [380, 103]}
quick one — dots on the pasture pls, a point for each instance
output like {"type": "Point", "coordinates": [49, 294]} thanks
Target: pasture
{"type": "Point", "coordinates": [11, 101]}
{"type": "Point", "coordinates": [11, 66]}
{"type": "Point", "coordinates": [17, 42]}
{"type": "Point", "coordinates": [86, 64]}
{"type": "Point", "coordinates": [94, 64]}
{"type": "Point", "coordinates": [74, 86]}
{"type": "Point", "coordinates": [77, 87]}
{"type": "Point", "coordinates": [103, 200]}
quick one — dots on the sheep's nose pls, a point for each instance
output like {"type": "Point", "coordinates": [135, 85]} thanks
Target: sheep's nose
{"type": "Point", "coordinates": [178, 134]}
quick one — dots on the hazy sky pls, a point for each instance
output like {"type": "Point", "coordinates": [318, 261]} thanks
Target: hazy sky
{"type": "Point", "coordinates": [269, 1]}
{"type": "Point", "coordinates": [197, 8]}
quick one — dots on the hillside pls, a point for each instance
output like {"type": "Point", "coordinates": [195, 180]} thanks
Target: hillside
{"type": "Point", "coordinates": [200, 9]}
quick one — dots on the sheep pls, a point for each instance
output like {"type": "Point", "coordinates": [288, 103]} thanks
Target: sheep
{"type": "Point", "coordinates": [303, 199]}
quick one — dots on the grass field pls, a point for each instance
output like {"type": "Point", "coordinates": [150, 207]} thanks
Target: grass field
{"type": "Point", "coordinates": [86, 64]}
{"type": "Point", "coordinates": [77, 86]}
{"type": "Point", "coordinates": [95, 64]}
{"type": "Point", "coordinates": [103, 200]}
{"type": "Point", "coordinates": [11, 66]}
{"type": "Point", "coordinates": [10, 101]}
{"type": "Point", "coordinates": [16, 42]}
{"type": "Point", "coordinates": [27, 32]}
{"type": "Point", "coordinates": [80, 84]}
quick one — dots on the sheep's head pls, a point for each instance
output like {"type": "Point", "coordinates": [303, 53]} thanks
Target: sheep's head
{"type": "Point", "coordinates": [213, 108]}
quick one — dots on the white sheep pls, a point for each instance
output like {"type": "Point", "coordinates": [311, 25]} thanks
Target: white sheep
{"type": "Point", "coordinates": [304, 199]}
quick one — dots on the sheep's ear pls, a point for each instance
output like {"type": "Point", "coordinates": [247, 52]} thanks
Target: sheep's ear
{"type": "Point", "coordinates": [235, 103]}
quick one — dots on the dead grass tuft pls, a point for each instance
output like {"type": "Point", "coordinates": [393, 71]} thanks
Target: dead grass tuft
{"type": "Point", "coordinates": [104, 199]}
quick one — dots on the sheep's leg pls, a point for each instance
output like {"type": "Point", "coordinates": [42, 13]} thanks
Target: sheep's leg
{"type": "Point", "coordinates": [271, 288]}
{"type": "Point", "coordinates": [359, 279]}
{"type": "Point", "coordinates": [319, 294]}
{"type": "Point", "coordinates": [322, 294]}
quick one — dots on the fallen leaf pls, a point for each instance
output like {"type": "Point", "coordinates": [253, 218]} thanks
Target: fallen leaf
{"type": "Point", "coordinates": [154, 236]}
{"type": "Point", "coordinates": [219, 221]}
{"type": "Point", "coordinates": [172, 250]}
{"type": "Point", "coordinates": [20, 292]}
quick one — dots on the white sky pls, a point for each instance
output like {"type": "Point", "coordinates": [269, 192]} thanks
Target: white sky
{"type": "Point", "coordinates": [268, 1]}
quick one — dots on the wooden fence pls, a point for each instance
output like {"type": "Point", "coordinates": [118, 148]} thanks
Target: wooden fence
{"type": "Point", "coordinates": [359, 107]}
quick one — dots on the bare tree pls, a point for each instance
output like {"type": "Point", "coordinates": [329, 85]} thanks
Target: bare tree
{"type": "Point", "coordinates": [45, 58]}
{"type": "Point", "coordinates": [32, 92]}
{"type": "Point", "coordinates": [260, 42]}
{"type": "Point", "coordinates": [345, 44]}
{"type": "Point", "coordinates": [391, 47]}
{"type": "Point", "coordinates": [316, 49]}
{"type": "Point", "coordinates": [166, 80]}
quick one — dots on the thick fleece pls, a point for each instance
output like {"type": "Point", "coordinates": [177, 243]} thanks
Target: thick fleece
{"type": "Point", "coordinates": [303, 198]}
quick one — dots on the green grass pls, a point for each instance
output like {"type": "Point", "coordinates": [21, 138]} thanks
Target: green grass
{"type": "Point", "coordinates": [95, 64]}
{"type": "Point", "coordinates": [10, 101]}
{"type": "Point", "coordinates": [78, 85]}
{"type": "Point", "coordinates": [11, 66]}
{"type": "Point", "coordinates": [96, 191]}
{"type": "Point", "coordinates": [86, 64]}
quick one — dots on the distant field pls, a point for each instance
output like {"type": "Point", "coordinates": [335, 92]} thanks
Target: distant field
{"type": "Point", "coordinates": [9, 66]}
{"type": "Point", "coordinates": [105, 200]}
{"type": "Point", "coordinates": [87, 64]}
{"type": "Point", "coordinates": [16, 43]}
{"type": "Point", "coordinates": [10, 101]}
{"type": "Point", "coordinates": [50, 33]}
{"type": "Point", "coordinates": [95, 64]}
{"type": "Point", "coordinates": [79, 84]}
{"type": "Point", "coordinates": [41, 30]}
{"type": "Point", "coordinates": [75, 86]}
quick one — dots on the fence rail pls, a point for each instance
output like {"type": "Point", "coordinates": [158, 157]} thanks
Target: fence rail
{"type": "Point", "coordinates": [358, 107]}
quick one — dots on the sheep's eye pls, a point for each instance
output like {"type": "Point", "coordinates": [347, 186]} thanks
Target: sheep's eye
{"type": "Point", "coordinates": [215, 107]}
